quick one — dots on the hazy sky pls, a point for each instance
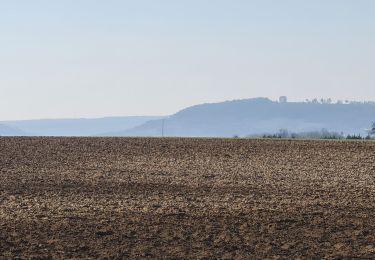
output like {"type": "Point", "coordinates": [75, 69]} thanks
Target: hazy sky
{"type": "Point", "coordinates": [88, 58]}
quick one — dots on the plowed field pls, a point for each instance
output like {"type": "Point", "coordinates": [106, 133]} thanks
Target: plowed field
{"type": "Point", "coordinates": [186, 198]}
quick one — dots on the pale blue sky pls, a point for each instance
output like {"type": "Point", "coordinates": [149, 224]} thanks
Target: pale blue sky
{"type": "Point", "coordinates": [89, 58]}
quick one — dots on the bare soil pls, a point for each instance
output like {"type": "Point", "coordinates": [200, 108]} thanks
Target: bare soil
{"type": "Point", "coordinates": [186, 198]}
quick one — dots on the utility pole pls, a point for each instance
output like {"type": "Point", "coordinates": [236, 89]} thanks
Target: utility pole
{"type": "Point", "coordinates": [162, 127]}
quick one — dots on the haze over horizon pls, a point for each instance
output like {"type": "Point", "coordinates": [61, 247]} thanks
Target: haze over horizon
{"type": "Point", "coordinates": [333, 101]}
{"type": "Point", "coordinates": [86, 59]}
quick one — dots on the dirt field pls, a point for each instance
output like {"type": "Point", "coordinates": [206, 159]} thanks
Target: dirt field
{"type": "Point", "coordinates": [186, 198]}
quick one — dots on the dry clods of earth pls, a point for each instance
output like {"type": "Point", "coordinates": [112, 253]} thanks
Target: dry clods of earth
{"type": "Point", "coordinates": [186, 198]}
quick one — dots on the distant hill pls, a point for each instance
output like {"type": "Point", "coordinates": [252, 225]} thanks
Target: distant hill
{"type": "Point", "coordinates": [10, 131]}
{"type": "Point", "coordinates": [226, 119]}
{"type": "Point", "coordinates": [78, 127]}
{"type": "Point", "coordinates": [257, 116]}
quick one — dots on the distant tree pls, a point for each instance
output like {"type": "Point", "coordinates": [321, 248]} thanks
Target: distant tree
{"type": "Point", "coordinates": [322, 134]}
{"type": "Point", "coordinates": [372, 129]}
{"type": "Point", "coordinates": [283, 133]}
{"type": "Point", "coordinates": [354, 137]}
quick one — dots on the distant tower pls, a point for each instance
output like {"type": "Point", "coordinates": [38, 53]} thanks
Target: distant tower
{"type": "Point", "coordinates": [283, 99]}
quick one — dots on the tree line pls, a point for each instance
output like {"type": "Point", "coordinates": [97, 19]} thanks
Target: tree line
{"type": "Point", "coordinates": [321, 134]}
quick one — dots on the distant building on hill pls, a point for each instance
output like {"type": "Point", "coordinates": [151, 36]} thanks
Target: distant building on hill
{"type": "Point", "coordinates": [283, 99]}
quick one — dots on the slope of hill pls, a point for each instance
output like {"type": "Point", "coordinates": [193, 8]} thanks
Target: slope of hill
{"type": "Point", "coordinates": [10, 131]}
{"type": "Point", "coordinates": [257, 116]}
{"type": "Point", "coordinates": [78, 127]}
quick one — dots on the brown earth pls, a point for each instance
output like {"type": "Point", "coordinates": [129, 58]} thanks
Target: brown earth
{"type": "Point", "coordinates": [186, 198]}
